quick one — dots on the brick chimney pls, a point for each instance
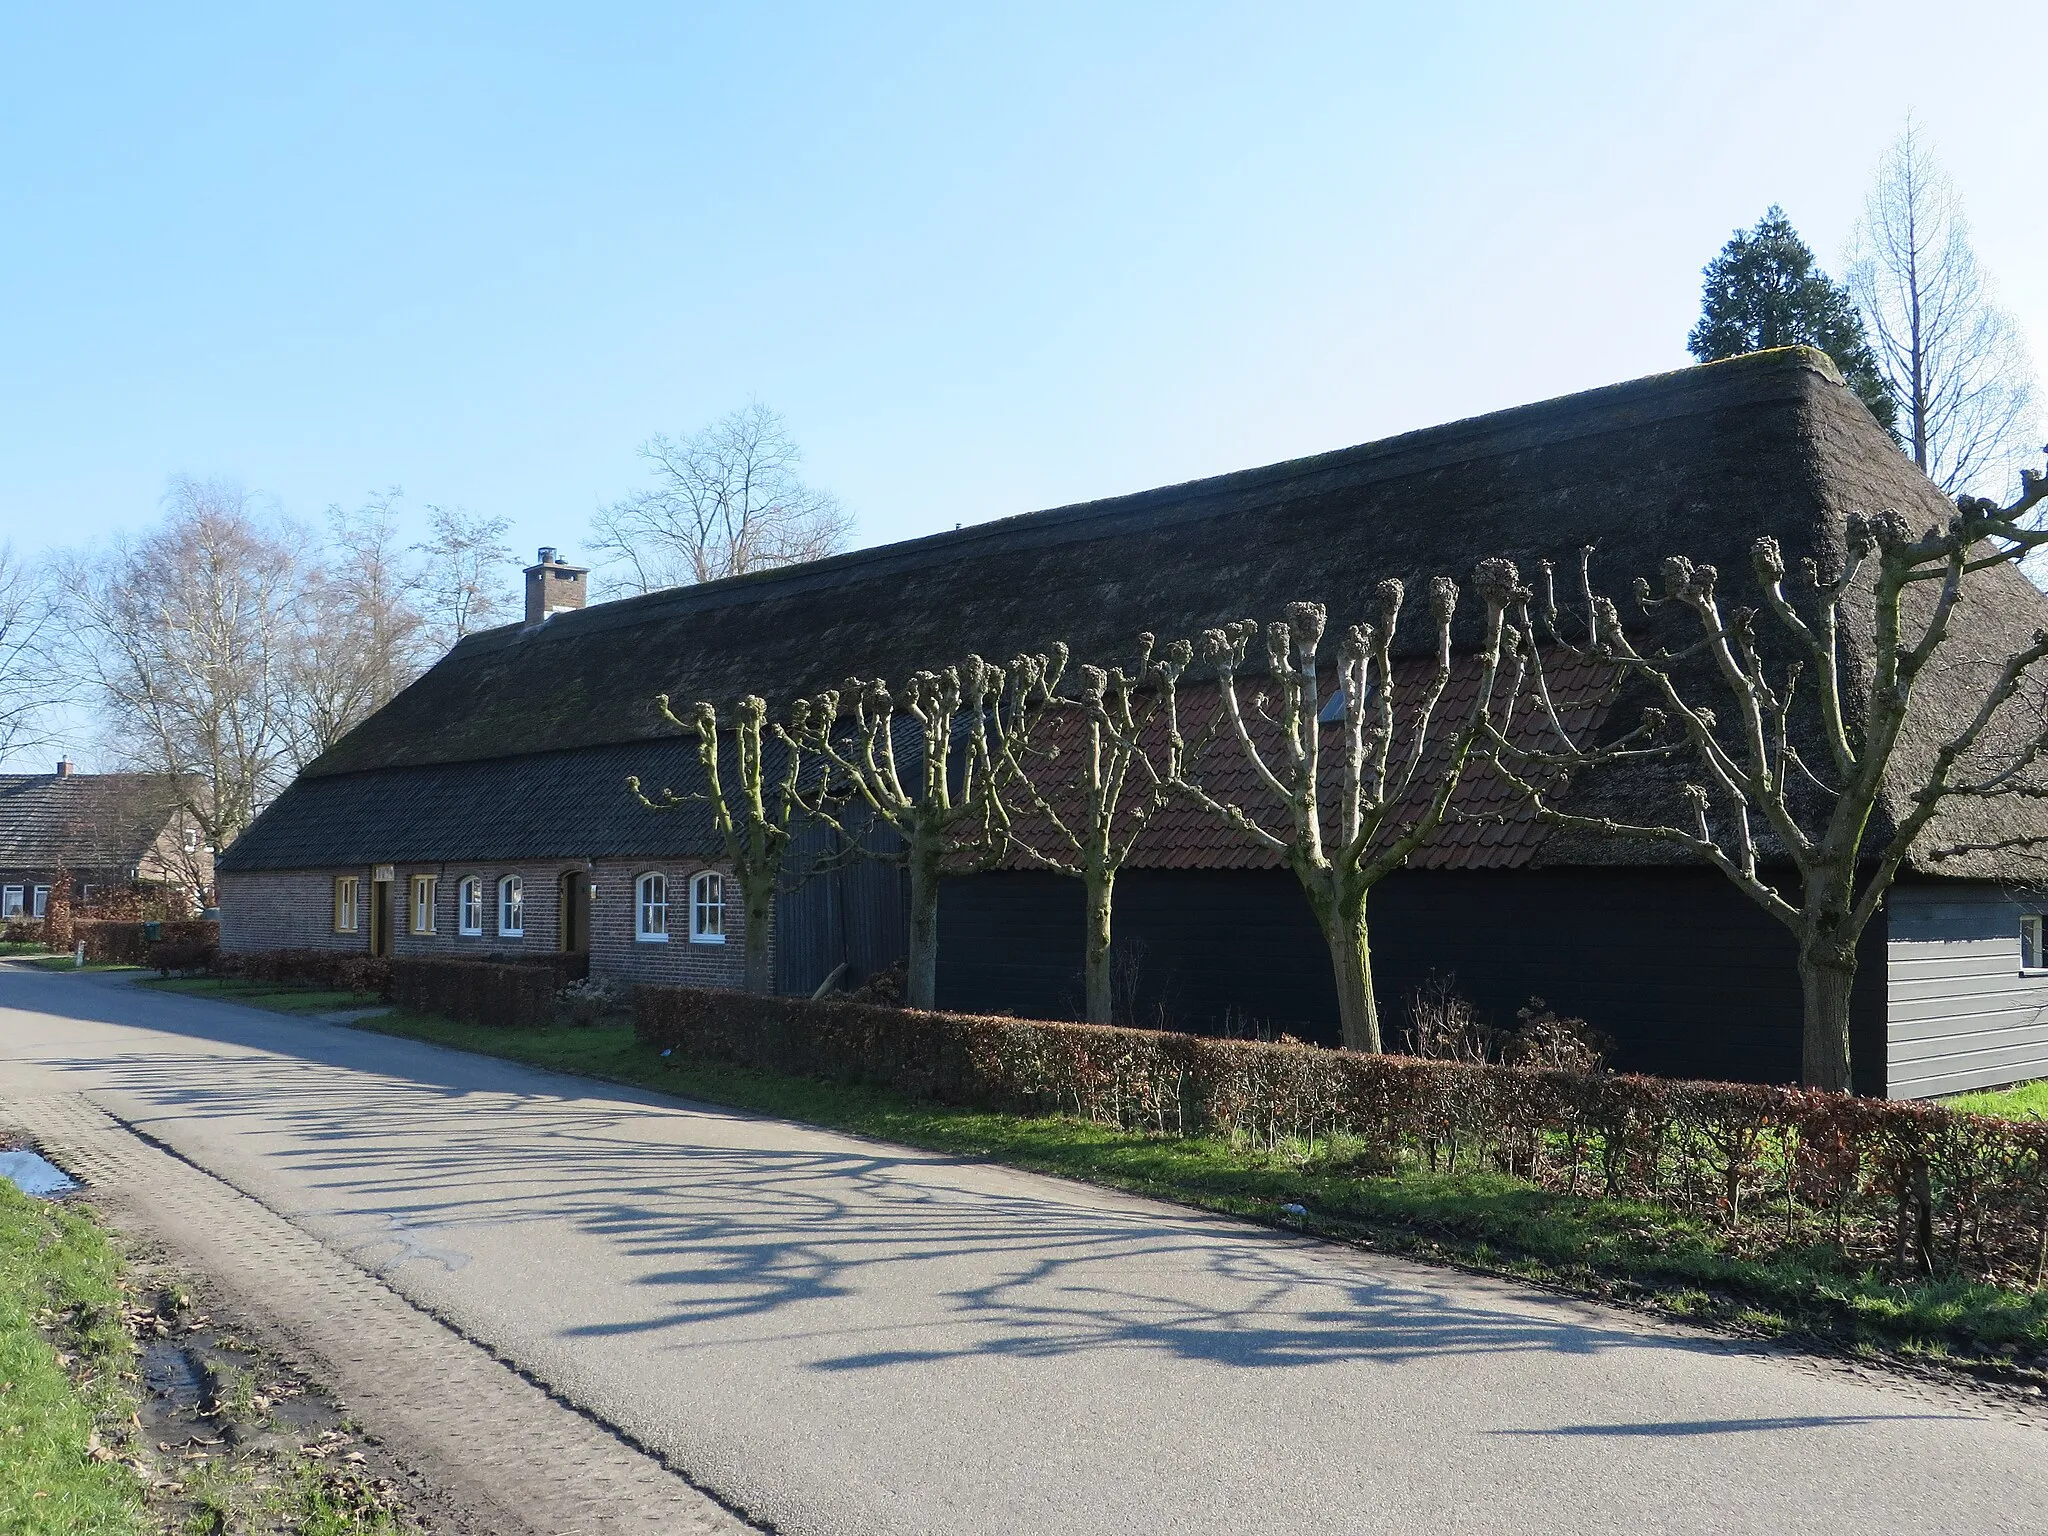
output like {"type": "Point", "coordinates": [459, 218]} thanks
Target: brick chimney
{"type": "Point", "coordinates": [63, 767]}
{"type": "Point", "coordinates": [552, 586]}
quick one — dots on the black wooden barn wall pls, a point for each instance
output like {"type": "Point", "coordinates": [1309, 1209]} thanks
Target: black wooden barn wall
{"type": "Point", "coordinates": [1687, 976]}
{"type": "Point", "coordinates": [834, 912]}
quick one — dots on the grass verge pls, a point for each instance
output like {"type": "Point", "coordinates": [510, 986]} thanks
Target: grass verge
{"type": "Point", "coordinates": [259, 994]}
{"type": "Point", "coordinates": [259, 1451]}
{"type": "Point", "coordinates": [63, 963]}
{"type": "Point", "coordinates": [60, 1306]}
{"type": "Point", "coordinates": [1616, 1250]}
{"type": "Point", "coordinates": [2025, 1101]}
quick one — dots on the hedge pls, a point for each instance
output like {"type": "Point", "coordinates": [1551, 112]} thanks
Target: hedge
{"type": "Point", "coordinates": [108, 942]}
{"type": "Point", "coordinates": [330, 970]}
{"type": "Point", "coordinates": [519, 995]}
{"type": "Point", "coordinates": [1912, 1186]}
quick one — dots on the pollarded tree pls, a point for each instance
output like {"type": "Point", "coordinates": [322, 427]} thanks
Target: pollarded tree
{"type": "Point", "coordinates": [754, 816]}
{"type": "Point", "coordinates": [1086, 786]}
{"type": "Point", "coordinates": [947, 804]}
{"type": "Point", "coordinates": [1395, 775]}
{"type": "Point", "coordinates": [1819, 761]}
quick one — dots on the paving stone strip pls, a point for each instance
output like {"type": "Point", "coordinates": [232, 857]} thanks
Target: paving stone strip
{"type": "Point", "coordinates": [470, 1426]}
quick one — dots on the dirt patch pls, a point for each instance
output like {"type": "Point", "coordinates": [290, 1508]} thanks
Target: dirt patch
{"type": "Point", "coordinates": [229, 1437]}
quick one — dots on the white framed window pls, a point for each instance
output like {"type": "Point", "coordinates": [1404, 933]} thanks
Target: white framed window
{"type": "Point", "coordinates": [2032, 956]}
{"type": "Point", "coordinates": [707, 908]}
{"type": "Point", "coordinates": [650, 909]}
{"type": "Point", "coordinates": [423, 889]}
{"type": "Point", "coordinates": [11, 898]}
{"type": "Point", "coordinates": [41, 905]}
{"type": "Point", "coordinates": [191, 839]}
{"type": "Point", "coordinates": [345, 890]}
{"type": "Point", "coordinates": [469, 908]}
{"type": "Point", "coordinates": [511, 908]}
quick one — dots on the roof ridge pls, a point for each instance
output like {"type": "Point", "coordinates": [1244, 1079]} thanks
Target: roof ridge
{"type": "Point", "coordinates": [1693, 390]}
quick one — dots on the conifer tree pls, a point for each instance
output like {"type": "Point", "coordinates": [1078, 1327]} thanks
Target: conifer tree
{"type": "Point", "coordinates": [1765, 290]}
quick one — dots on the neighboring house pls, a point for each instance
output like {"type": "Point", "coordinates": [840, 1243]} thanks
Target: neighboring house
{"type": "Point", "coordinates": [109, 831]}
{"type": "Point", "coordinates": [484, 809]}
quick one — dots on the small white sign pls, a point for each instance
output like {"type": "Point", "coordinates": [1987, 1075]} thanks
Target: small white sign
{"type": "Point", "coordinates": [382, 872]}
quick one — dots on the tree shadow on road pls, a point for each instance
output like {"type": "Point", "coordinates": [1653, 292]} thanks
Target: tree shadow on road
{"type": "Point", "coordinates": [737, 1228]}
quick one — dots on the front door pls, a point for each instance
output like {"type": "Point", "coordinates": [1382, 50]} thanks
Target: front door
{"type": "Point", "coordinates": [576, 912]}
{"type": "Point", "coordinates": [380, 917]}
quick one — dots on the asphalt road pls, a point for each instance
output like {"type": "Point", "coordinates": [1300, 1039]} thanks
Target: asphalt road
{"type": "Point", "coordinates": [839, 1336]}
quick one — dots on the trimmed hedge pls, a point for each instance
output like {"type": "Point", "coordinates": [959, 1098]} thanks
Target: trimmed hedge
{"type": "Point", "coordinates": [108, 942]}
{"type": "Point", "coordinates": [328, 970]}
{"type": "Point", "coordinates": [1909, 1185]}
{"type": "Point", "coordinates": [476, 991]}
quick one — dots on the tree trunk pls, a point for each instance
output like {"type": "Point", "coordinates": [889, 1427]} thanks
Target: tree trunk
{"type": "Point", "coordinates": [759, 895]}
{"type": "Point", "coordinates": [1351, 958]}
{"type": "Point", "coordinates": [1096, 971]}
{"type": "Point", "coordinates": [1825, 983]}
{"type": "Point", "coordinates": [921, 987]}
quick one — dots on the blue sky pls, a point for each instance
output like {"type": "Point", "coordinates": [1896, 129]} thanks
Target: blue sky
{"type": "Point", "coordinates": [984, 260]}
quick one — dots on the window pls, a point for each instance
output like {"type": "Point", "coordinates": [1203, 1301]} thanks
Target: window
{"type": "Point", "coordinates": [10, 900]}
{"type": "Point", "coordinates": [345, 904]}
{"type": "Point", "coordinates": [41, 908]}
{"type": "Point", "coordinates": [511, 908]}
{"type": "Point", "coordinates": [423, 887]}
{"type": "Point", "coordinates": [2031, 955]}
{"type": "Point", "coordinates": [707, 908]}
{"type": "Point", "coordinates": [469, 908]}
{"type": "Point", "coordinates": [191, 839]}
{"type": "Point", "coordinates": [651, 904]}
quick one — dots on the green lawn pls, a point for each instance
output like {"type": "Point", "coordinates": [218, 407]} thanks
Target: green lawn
{"type": "Point", "coordinates": [63, 963]}
{"type": "Point", "coordinates": [8, 949]}
{"type": "Point", "coordinates": [2026, 1101]}
{"type": "Point", "coordinates": [260, 994]}
{"type": "Point", "coordinates": [1620, 1250]}
{"type": "Point", "coordinates": [58, 1267]}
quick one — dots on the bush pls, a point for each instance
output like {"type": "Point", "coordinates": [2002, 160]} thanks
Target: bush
{"type": "Point", "coordinates": [585, 1004]}
{"type": "Point", "coordinates": [125, 943]}
{"type": "Point", "coordinates": [476, 991]}
{"type": "Point", "coordinates": [22, 930]}
{"type": "Point", "coordinates": [187, 957]}
{"type": "Point", "coordinates": [328, 970]}
{"type": "Point", "coordinates": [1913, 1186]}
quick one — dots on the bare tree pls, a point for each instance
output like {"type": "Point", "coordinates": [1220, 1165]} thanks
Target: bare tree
{"type": "Point", "coordinates": [188, 636]}
{"type": "Point", "coordinates": [463, 586]}
{"type": "Point", "coordinates": [946, 806]}
{"type": "Point", "coordinates": [755, 817]}
{"type": "Point", "coordinates": [1345, 832]}
{"type": "Point", "coordinates": [1086, 785]}
{"type": "Point", "coordinates": [1797, 774]}
{"type": "Point", "coordinates": [362, 637]}
{"type": "Point", "coordinates": [1955, 361]}
{"type": "Point", "coordinates": [32, 679]}
{"type": "Point", "coordinates": [726, 500]}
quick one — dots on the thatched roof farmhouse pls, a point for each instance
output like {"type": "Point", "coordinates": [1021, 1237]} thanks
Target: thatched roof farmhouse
{"type": "Point", "coordinates": [507, 761]}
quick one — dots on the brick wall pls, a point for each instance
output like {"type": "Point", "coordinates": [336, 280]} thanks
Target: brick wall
{"type": "Point", "coordinates": [618, 954]}
{"type": "Point", "coordinates": [285, 909]}
{"type": "Point", "coordinates": [295, 910]}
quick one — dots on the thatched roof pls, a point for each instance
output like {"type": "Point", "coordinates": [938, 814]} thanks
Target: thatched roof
{"type": "Point", "coordinates": [1698, 462]}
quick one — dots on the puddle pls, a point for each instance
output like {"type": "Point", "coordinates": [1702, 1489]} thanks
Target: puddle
{"type": "Point", "coordinates": [168, 1373]}
{"type": "Point", "coordinates": [35, 1175]}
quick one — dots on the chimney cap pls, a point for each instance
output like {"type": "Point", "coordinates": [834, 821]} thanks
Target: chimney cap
{"type": "Point", "coordinates": [547, 554]}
